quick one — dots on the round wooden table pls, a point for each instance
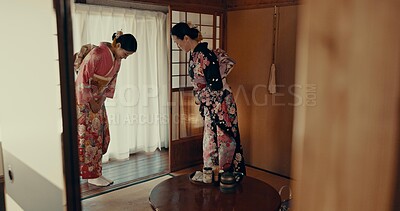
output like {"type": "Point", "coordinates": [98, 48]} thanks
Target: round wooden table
{"type": "Point", "coordinates": [179, 193]}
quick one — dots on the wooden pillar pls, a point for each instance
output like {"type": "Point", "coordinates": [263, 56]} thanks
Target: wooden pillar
{"type": "Point", "coordinates": [346, 131]}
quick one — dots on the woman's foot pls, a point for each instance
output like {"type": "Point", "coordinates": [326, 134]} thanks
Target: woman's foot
{"type": "Point", "coordinates": [110, 181]}
{"type": "Point", "coordinates": [100, 181]}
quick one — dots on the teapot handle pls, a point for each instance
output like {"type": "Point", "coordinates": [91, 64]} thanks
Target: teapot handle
{"type": "Point", "coordinates": [238, 176]}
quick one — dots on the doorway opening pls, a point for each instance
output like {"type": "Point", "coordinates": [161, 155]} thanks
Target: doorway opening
{"type": "Point", "coordinates": [137, 112]}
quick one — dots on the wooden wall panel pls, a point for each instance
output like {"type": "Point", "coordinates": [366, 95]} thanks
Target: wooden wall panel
{"type": "Point", "coordinates": [185, 153]}
{"type": "Point", "coordinates": [346, 147]}
{"type": "Point", "coordinates": [265, 120]}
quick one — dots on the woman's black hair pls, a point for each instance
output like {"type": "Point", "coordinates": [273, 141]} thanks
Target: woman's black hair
{"type": "Point", "coordinates": [181, 29]}
{"type": "Point", "coordinates": [128, 42]}
{"type": "Point", "coordinates": [113, 36]}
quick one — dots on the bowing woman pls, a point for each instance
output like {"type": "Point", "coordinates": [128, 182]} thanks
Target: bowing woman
{"type": "Point", "coordinates": [221, 139]}
{"type": "Point", "coordinates": [95, 82]}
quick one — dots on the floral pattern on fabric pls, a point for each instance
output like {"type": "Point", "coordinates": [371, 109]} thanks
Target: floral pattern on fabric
{"type": "Point", "coordinates": [221, 138]}
{"type": "Point", "coordinates": [93, 138]}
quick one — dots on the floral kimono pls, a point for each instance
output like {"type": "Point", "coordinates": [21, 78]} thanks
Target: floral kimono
{"type": "Point", "coordinates": [221, 140]}
{"type": "Point", "coordinates": [96, 79]}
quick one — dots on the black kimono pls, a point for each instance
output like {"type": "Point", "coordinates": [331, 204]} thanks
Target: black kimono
{"type": "Point", "coordinates": [221, 141]}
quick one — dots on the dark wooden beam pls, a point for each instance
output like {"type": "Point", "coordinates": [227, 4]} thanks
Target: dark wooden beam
{"type": "Point", "coordinates": [204, 6]}
{"type": "Point", "coordinates": [209, 6]}
{"type": "Point", "coordinates": [2, 194]}
{"type": "Point", "coordinates": [256, 4]}
{"type": "Point", "coordinates": [396, 196]}
{"type": "Point", "coordinates": [67, 84]}
{"type": "Point", "coordinates": [211, 3]}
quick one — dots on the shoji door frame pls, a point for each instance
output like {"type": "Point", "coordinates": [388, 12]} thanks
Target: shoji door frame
{"type": "Point", "coordinates": [67, 85]}
{"type": "Point", "coordinates": [187, 151]}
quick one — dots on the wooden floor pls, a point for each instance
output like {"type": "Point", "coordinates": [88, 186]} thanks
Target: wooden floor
{"type": "Point", "coordinates": [140, 166]}
{"type": "Point", "coordinates": [146, 166]}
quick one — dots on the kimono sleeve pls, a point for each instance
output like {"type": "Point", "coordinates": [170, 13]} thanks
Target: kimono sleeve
{"type": "Point", "coordinates": [109, 92]}
{"type": "Point", "coordinates": [225, 62]}
{"type": "Point", "coordinates": [83, 81]}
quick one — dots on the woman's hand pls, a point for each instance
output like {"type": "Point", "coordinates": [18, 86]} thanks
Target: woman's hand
{"type": "Point", "coordinates": [95, 106]}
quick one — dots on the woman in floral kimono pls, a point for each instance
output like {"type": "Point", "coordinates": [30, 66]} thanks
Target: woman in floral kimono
{"type": "Point", "coordinates": [95, 82]}
{"type": "Point", "coordinates": [221, 140]}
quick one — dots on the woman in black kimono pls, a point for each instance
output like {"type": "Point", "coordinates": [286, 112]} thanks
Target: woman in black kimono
{"type": "Point", "coordinates": [221, 140]}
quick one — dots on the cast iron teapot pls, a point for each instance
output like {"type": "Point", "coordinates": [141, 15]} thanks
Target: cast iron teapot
{"type": "Point", "coordinates": [229, 180]}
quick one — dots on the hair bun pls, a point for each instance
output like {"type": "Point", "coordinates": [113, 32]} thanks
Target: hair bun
{"type": "Point", "coordinates": [116, 35]}
{"type": "Point", "coordinates": [191, 25]}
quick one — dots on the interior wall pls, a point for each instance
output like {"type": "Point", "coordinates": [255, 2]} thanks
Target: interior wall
{"type": "Point", "coordinates": [345, 150]}
{"type": "Point", "coordinates": [30, 109]}
{"type": "Point", "coordinates": [265, 120]}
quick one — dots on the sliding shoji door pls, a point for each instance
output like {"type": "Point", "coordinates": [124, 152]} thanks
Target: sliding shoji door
{"type": "Point", "coordinates": [187, 124]}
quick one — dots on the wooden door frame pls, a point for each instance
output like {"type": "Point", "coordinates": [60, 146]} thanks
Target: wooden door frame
{"type": "Point", "coordinates": [68, 102]}
{"type": "Point", "coordinates": [67, 85]}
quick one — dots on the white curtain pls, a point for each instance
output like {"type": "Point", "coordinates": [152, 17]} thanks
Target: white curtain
{"type": "Point", "coordinates": [138, 113]}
